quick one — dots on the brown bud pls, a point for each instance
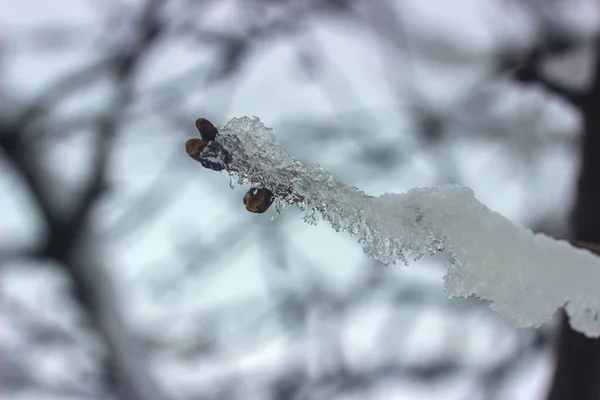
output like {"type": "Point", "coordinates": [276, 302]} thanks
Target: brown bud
{"type": "Point", "coordinates": [258, 200]}
{"type": "Point", "coordinates": [207, 130]}
{"type": "Point", "coordinates": [194, 147]}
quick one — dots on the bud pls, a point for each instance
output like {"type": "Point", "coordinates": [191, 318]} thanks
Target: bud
{"type": "Point", "coordinates": [194, 147]}
{"type": "Point", "coordinates": [258, 200]}
{"type": "Point", "coordinates": [207, 130]}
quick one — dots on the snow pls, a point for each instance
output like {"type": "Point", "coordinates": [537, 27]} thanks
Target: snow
{"type": "Point", "coordinates": [525, 276]}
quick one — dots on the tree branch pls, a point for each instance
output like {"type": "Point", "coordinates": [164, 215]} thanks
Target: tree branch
{"type": "Point", "coordinates": [529, 71]}
{"type": "Point", "coordinates": [482, 246]}
{"type": "Point", "coordinates": [20, 253]}
{"type": "Point", "coordinates": [21, 156]}
{"type": "Point", "coordinates": [68, 236]}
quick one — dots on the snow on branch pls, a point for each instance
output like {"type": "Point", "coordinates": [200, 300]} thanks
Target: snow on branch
{"type": "Point", "coordinates": [525, 276]}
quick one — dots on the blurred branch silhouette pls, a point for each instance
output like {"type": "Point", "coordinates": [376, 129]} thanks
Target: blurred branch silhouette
{"type": "Point", "coordinates": [529, 70]}
{"type": "Point", "coordinates": [578, 357]}
{"type": "Point", "coordinates": [68, 237]}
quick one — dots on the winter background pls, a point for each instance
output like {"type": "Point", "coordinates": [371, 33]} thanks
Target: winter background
{"type": "Point", "coordinates": [129, 272]}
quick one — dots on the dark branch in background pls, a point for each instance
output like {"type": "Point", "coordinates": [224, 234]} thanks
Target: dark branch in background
{"type": "Point", "coordinates": [17, 253]}
{"type": "Point", "coordinates": [15, 147]}
{"type": "Point", "coordinates": [577, 374]}
{"type": "Point", "coordinates": [528, 68]}
{"type": "Point", "coordinates": [68, 239]}
{"type": "Point", "coordinates": [530, 72]}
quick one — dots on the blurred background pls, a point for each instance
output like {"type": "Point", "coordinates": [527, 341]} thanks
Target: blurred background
{"type": "Point", "coordinates": [129, 272]}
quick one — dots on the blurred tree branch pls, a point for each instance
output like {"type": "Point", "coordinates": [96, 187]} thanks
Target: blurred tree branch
{"type": "Point", "coordinates": [68, 237]}
{"type": "Point", "coordinates": [577, 374]}
{"type": "Point", "coordinates": [530, 72]}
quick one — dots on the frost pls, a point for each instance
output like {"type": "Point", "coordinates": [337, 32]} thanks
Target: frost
{"type": "Point", "coordinates": [525, 276]}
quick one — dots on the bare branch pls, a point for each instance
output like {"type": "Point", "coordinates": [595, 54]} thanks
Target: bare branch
{"type": "Point", "coordinates": [68, 237]}
{"type": "Point", "coordinates": [529, 71]}
{"type": "Point", "coordinates": [18, 253]}
{"type": "Point", "coordinates": [127, 355]}
{"type": "Point", "coordinates": [19, 154]}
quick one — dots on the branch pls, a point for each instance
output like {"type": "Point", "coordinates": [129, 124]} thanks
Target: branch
{"type": "Point", "coordinates": [127, 355]}
{"type": "Point", "coordinates": [530, 72]}
{"type": "Point", "coordinates": [68, 236]}
{"type": "Point", "coordinates": [594, 248]}
{"type": "Point", "coordinates": [19, 154]}
{"type": "Point", "coordinates": [125, 66]}
{"type": "Point", "coordinates": [525, 276]}
{"type": "Point", "coordinates": [18, 253]}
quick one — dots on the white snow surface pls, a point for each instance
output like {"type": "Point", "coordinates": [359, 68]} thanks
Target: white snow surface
{"type": "Point", "coordinates": [526, 277]}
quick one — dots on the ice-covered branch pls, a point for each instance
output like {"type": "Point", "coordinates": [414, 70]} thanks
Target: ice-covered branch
{"type": "Point", "coordinates": [525, 276]}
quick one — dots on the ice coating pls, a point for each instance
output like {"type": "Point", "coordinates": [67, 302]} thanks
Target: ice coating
{"type": "Point", "coordinates": [525, 276]}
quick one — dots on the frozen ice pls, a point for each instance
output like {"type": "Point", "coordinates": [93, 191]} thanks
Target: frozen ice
{"type": "Point", "coordinates": [526, 277]}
